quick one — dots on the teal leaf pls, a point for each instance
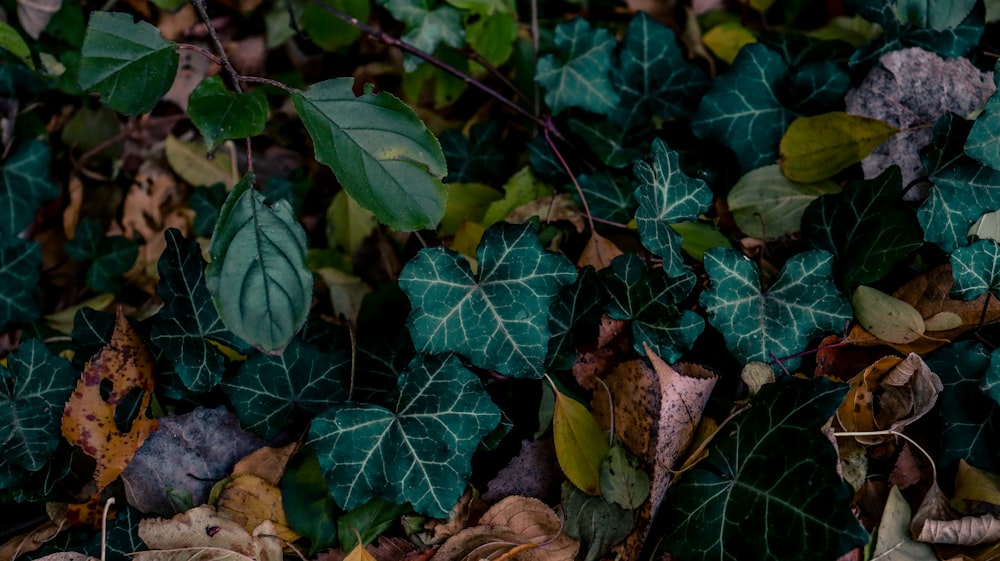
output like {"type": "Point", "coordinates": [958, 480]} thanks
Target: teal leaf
{"type": "Point", "coordinates": [268, 388]}
{"type": "Point", "coordinates": [380, 151]}
{"type": "Point", "coordinates": [498, 320]}
{"type": "Point", "coordinates": [86, 243]}
{"type": "Point", "coordinates": [649, 298]}
{"type": "Point", "coordinates": [92, 330]}
{"type": "Point", "coordinates": [742, 110]}
{"type": "Point", "coordinates": [802, 304]}
{"type": "Point", "coordinates": [867, 227]}
{"type": "Point", "coordinates": [429, 24]}
{"type": "Point", "coordinates": [475, 159]}
{"type": "Point", "coordinates": [188, 322]}
{"type": "Point", "coordinates": [116, 256]}
{"type": "Point", "coordinates": [611, 143]}
{"type": "Point", "coordinates": [976, 269]}
{"type": "Point", "coordinates": [772, 471]}
{"type": "Point", "coordinates": [819, 88]}
{"type": "Point", "coordinates": [666, 195]}
{"type": "Point", "coordinates": [654, 78]}
{"type": "Point", "coordinates": [576, 311]}
{"type": "Point", "coordinates": [129, 63]}
{"type": "Point", "coordinates": [578, 75]}
{"type": "Point", "coordinates": [608, 196]}
{"type": "Point", "coordinates": [206, 202]}
{"type": "Point", "coordinates": [25, 183]}
{"type": "Point", "coordinates": [597, 523]}
{"type": "Point", "coordinates": [258, 277]}
{"type": "Point", "coordinates": [983, 143]}
{"type": "Point", "coordinates": [991, 378]}
{"type": "Point", "coordinates": [940, 26]}
{"type": "Point", "coordinates": [20, 269]}
{"type": "Point", "coordinates": [35, 386]}
{"type": "Point", "coordinates": [420, 451]}
{"type": "Point", "coordinates": [221, 114]}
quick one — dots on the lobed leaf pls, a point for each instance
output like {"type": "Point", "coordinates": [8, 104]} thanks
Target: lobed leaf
{"type": "Point", "coordinates": [577, 309]}
{"type": "Point", "coordinates": [428, 25]}
{"type": "Point", "coordinates": [578, 75]}
{"type": "Point", "coordinates": [950, 36]}
{"type": "Point", "coordinates": [976, 269]}
{"type": "Point", "coordinates": [25, 183]}
{"type": "Point", "coordinates": [20, 269]}
{"type": "Point", "coordinates": [983, 142]}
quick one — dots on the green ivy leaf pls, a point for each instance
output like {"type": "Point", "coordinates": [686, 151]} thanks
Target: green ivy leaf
{"type": "Point", "coordinates": [188, 322]}
{"type": "Point", "coordinates": [819, 88]}
{"type": "Point", "coordinates": [428, 25]}
{"type": "Point", "coordinates": [258, 277]}
{"type": "Point", "coordinates": [475, 159]}
{"type": "Point", "coordinates": [667, 195]}
{"type": "Point", "coordinates": [20, 268]}
{"type": "Point", "coordinates": [742, 110]}
{"type": "Point", "coordinates": [116, 256]}
{"type": "Point", "coordinates": [269, 388]}
{"type": "Point", "coordinates": [498, 320]}
{"type": "Point", "coordinates": [221, 114]}
{"type": "Point", "coordinates": [654, 78]}
{"type": "Point", "coordinates": [25, 183]}
{"type": "Point", "coordinates": [327, 30]}
{"type": "Point", "coordinates": [86, 242]}
{"type": "Point", "coordinates": [579, 74]}
{"type": "Point", "coordinates": [866, 227]}
{"type": "Point", "coordinates": [419, 453]}
{"type": "Point", "coordinates": [370, 520]}
{"type": "Point", "coordinates": [991, 378]}
{"type": "Point", "coordinates": [607, 140]}
{"type": "Point", "coordinates": [576, 310]}
{"type": "Point", "coordinates": [983, 142]}
{"type": "Point", "coordinates": [380, 151]}
{"type": "Point", "coordinates": [976, 269]}
{"type": "Point", "coordinates": [803, 303]}
{"type": "Point", "coordinates": [35, 386]}
{"type": "Point", "coordinates": [649, 298]}
{"type": "Point", "coordinates": [129, 63]}
{"type": "Point", "coordinates": [773, 470]}
{"type": "Point", "coordinates": [905, 24]}
{"type": "Point", "coordinates": [608, 196]}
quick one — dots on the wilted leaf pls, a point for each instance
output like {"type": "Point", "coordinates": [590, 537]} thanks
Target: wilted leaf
{"type": "Point", "coordinates": [188, 160]}
{"type": "Point", "coordinates": [766, 204]}
{"type": "Point", "coordinates": [597, 523]}
{"type": "Point", "coordinates": [35, 15]}
{"type": "Point", "coordinates": [816, 148]}
{"type": "Point", "coordinates": [578, 75]}
{"type": "Point", "coordinates": [894, 540]}
{"type": "Point", "coordinates": [249, 501]}
{"type": "Point", "coordinates": [202, 530]}
{"type": "Point", "coordinates": [890, 319]}
{"type": "Point", "coordinates": [623, 481]}
{"type": "Point", "coordinates": [967, 531]}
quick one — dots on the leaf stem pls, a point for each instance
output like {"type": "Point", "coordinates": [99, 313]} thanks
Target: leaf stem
{"type": "Point", "coordinates": [565, 166]}
{"type": "Point", "coordinates": [889, 432]}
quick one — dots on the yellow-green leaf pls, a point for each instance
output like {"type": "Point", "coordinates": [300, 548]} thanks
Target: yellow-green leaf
{"type": "Point", "coordinates": [890, 319]}
{"type": "Point", "coordinates": [815, 148]}
{"type": "Point", "coordinates": [189, 160]}
{"type": "Point", "coordinates": [726, 39]}
{"type": "Point", "coordinates": [943, 321]}
{"type": "Point", "coordinates": [580, 444]}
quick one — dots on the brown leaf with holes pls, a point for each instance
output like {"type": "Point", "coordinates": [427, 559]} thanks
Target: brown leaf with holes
{"type": "Point", "coordinates": [115, 373]}
{"type": "Point", "coordinates": [202, 534]}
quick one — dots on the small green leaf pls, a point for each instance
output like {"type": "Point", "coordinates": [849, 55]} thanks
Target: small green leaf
{"type": "Point", "coordinates": [327, 30]}
{"type": "Point", "coordinates": [347, 224]}
{"type": "Point", "coordinates": [258, 276]}
{"type": "Point", "coordinates": [890, 319]}
{"type": "Point", "coordinates": [492, 37]}
{"type": "Point", "coordinates": [623, 482]}
{"type": "Point", "coordinates": [12, 41]}
{"type": "Point", "coordinates": [609, 196]}
{"type": "Point", "coordinates": [816, 148]}
{"type": "Point", "coordinates": [667, 195]}
{"type": "Point", "coordinates": [976, 269]}
{"type": "Point", "coordinates": [594, 521]}
{"type": "Point", "coordinates": [983, 143]}
{"type": "Point", "coordinates": [221, 114]}
{"type": "Point", "coordinates": [522, 188]}
{"type": "Point", "coordinates": [306, 500]}
{"type": "Point", "coordinates": [767, 204]}
{"type": "Point", "coordinates": [500, 320]}
{"type": "Point", "coordinates": [803, 303]}
{"type": "Point", "coordinates": [419, 453]}
{"type": "Point", "coordinates": [130, 64]}
{"type": "Point", "coordinates": [726, 39]}
{"type": "Point", "coordinates": [580, 444]}
{"type": "Point", "coordinates": [370, 520]}
{"type": "Point", "coordinates": [116, 256]}
{"type": "Point", "coordinates": [20, 268]}
{"type": "Point", "coordinates": [475, 159]}
{"type": "Point", "coordinates": [579, 74]}
{"type": "Point", "coordinates": [25, 183]}
{"type": "Point", "coordinates": [467, 202]}
{"type": "Point", "coordinates": [428, 25]}
{"type": "Point", "coordinates": [380, 151]}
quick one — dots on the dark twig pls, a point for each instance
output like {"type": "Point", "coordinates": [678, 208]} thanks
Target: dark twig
{"type": "Point", "coordinates": [569, 172]}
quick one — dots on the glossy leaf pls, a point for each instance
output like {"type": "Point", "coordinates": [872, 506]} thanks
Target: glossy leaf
{"type": "Point", "coordinates": [580, 444]}
{"type": "Point", "coordinates": [25, 183]}
{"type": "Point", "coordinates": [976, 269]}
{"type": "Point", "coordinates": [20, 269]}
{"type": "Point", "coordinates": [766, 204]}
{"type": "Point", "coordinates": [803, 303]}
{"type": "Point", "coordinates": [983, 143]}
{"type": "Point", "coordinates": [666, 195]}
{"type": "Point", "coordinates": [221, 114]}
{"type": "Point", "coordinates": [611, 143]}
{"type": "Point", "coordinates": [206, 202]}
{"type": "Point", "coordinates": [86, 242]}
{"type": "Point", "coordinates": [369, 520]}
{"type": "Point", "coordinates": [498, 319]}
{"type": "Point", "coordinates": [258, 277]}
{"type": "Point", "coordinates": [751, 489]}
{"type": "Point", "coordinates": [129, 63]}
{"type": "Point", "coordinates": [428, 25]}
{"type": "Point", "coordinates": [578, 75]}
{"type": "Point", "coordinates": [817, 148]}
{"type": "Point", "coordinates": [919, 28]}
{"type": "Point", "coordinates": [420, 451]}
{"type": "Point", "coordinates": [380, 151]}
{"type": "Point", "coordinates": [819, 87]}
{"type": "Point", "coordinates": [609, 196]}
{"type": "Point", "coordinates": [116, 256]}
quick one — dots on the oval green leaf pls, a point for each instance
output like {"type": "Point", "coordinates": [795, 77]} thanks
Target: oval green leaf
{"type": "Point", "coordinates": [890, 319]}
{"type": "Point", "coordinates": [12, 41]}
{"type": "Point", "coordinates": [622, 480]}
{"type": "Point", "coordinates": [221, 114]}
{"type": "Point", "coordinates": [766, 204]}
{"type": "Point", "coordinates": [380, 151]}
{"type": "Point", "coordinates": [258, 276]}
{"type": "Point", "coordinates": [815, 148]}
{"type": "Point", "coordinates": [580, 444]}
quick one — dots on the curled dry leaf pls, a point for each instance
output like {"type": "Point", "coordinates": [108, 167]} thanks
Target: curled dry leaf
{"type": "Point", "coordinates": [201, 533]}
{"type": "Point", "coordinates": [266, 462]}
{"type": "Point", "coordinates": [935, 507]}
{"type": "Point", "coordinates": [969, 530]}
{"type": "Point", "coordinates": [521, 523]}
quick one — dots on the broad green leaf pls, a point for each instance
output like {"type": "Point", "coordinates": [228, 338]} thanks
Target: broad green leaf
{"type": "Point", "coordinates": [20, 268]}
{"type": "Point", "coordinates": [648, 298]}
{"type": "Point", "coordinates": [742, 110]}
{"type": "Point", "coordinates": [609, 196]}
{"type": "Point", "coordinates": [306, 500]}
{"type": "Point", "coordinates": [575, 313]}
{"type": "Point", "coordinates": [938, 33]}
{"type": "Point", "coordinates": [380, 151]}
{"type": "Point", "coordinates": [890, 319]}
{"type": "Point", "coordinates": [370, 520]}
{"type": "Point", "coordinates": [25, 183]}
{"type": "Point", "coordinates": [802, 304]}
{"type": "Point", "coordinates": [766, 204]}
{"type": "Point", "coordinates": [498, 320]}
{"type": "Point", "coordinates": [816, 148]}
{"type": "Point", "coordinates": [129, 63]}
{"type": "Point", "coordinates": [12, 41]}
{"type": "Point", "coordinates": [578, 75]}
{"type": "Point", "coordinates": [473, 159]}
{"type": "Point", "coordinates": [420, 451]}
{"type": "Point", "coordinates": [983, 143]}
{"type": "Point", "coordinates": [653, 77]}
{"type": "Point", "coordinates": [258, 277]}
{"type": "Point", "coordinates": [867, 227]}
{"type": "Point", "coordinates": [522, 188]}
{"type": "Point", "coordinates": [221, 114]}
{"type": "Point", "coordinates": [188, 327]}
{"type": "Point", "coordinates": [268, 389]}
{"type": "Point", "coordinates": [116, 256]}
{"type": "Point", "coordinates": [773, 470]}
{"type": "Point", "coordinates": [327, 30]}
{"type": "Point", "coordinates": [623, 482]}
{"type": "Point", "coordinates": [976, 269]}
{"type": "Point", "coordinates": [607, 140]}
{"type": "Point", "coordinates": [597, 523]}
{"type": "Point", "coordinates": [493, 36]}
{"type": "Point", "coordinates": [35, 386]}
{"type": "Point", "coordinates": [666, 195]}
{"type": "Point", "coordinates": [428, 24]}
{"type": "Point", "coordinates": [580, 444]}
{"type": "Point", "coordinates": [726, 39]}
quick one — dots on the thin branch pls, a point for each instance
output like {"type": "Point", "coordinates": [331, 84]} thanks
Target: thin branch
{"type": "Point", "coordinates": [269, 82]}
{"type": "Point", "coordinates": [223, 59]}
{"type": "Point", "coordinates": [579, 190]}
{"type": "Point", "coordinates": [479, 59]}
{"type": "Point", "coordinates": [890, 432]}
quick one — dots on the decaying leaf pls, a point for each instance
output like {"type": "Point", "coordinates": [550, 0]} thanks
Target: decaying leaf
{"type": "Point", "coordinates": [202, 534]}
{"type": "Point", "coordinates": [34, 15]}
{"type": "Point", "coordinates": [533, 472]}
{"type": "Point", "coordinates": [598, 253]}
{"type": "Point", "coordinates": [894, 541]}
{"type": "Point", "coordinates": [968, 530]}
{"type": "Point", "coordinates": [973, 487]}
{"type": "Point", "coordinates": [249, 501]}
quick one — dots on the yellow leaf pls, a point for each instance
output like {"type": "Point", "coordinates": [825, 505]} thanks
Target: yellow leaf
{"type": "Point", "coordinates": [726, 39]}
{"type": "Point", "coordinates": [359, 553]}
{"type": "Point", "coordinates": [248, 500]}
{"type": "Point", "coordinates": [63, 319]}
{"type": "Point", "coordinates": [890, 319]}
{"type": "Point", "coordinates": [943, 321]}
{"type": "Point", "coordinates": [580, 444]}
{"type": "Point", "coordinates": [815, 148]}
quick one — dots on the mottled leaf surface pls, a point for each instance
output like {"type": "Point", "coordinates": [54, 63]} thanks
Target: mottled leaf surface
{"type": "Point", "coordinates": [578, 74]}
{"type": "Point", "coordinates": [976, 269]}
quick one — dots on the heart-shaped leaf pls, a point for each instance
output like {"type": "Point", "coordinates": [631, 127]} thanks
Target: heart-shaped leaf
{"type": "Point", "coordinates": [578, 75]}
{"type": "Point", "coordinates": [221, 114]}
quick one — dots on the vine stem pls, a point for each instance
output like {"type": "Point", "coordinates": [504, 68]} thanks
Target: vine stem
{"type": "Point", "coordinates": [569, 172]}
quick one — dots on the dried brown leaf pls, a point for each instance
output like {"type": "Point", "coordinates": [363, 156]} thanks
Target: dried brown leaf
{"type": "Point", "coordinates": [249, 500]}
{"type": "Point", "coordinates": [598, 253]}
{"type": "Point", "coordinates": [202, 529]}
{"type": "Point", "coordinates": [968, 530]}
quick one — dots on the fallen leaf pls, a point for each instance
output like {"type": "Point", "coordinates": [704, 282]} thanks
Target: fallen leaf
{"type": "Point", "coordinates": [906, 472]}
{"type": "Point", "coordinates": [533, 472]}
{"type": "Point", "coordinates": [188, 160]}
{"type": "Point", "coordinates": [71, 214]}
{"type": "Point", "coordinates": [598, 253]}
{"type": "Point", "coordinates": [266, 462]}
{"type": "Point", "coordinates": [580, 444]}
{"type": "Point", "coordinates": [34, 15]}
{"type": "Point", "coordinates": [204, 535]}
{"type": "Point", "coordinates": [894, 542]}
{"type": "Point", "coordinates": [974, 486]}
{"type": "Point", "coordinates": [968, 530]}
{"type": "Point", "coordinates": [249, 500]}
{"type": "Point", "coordinates": [934, 507]}
{"type": "Point", "coordinates": [27, 542]}
{"type": "Point", "coordinates": [890, 319]}
{"type": "Point", "coordinates": [818, 147]}
{"type": "Point", "coordinates": [549, 209]}
{"type": "Point", "coordinates": [66, 556]}
{"type": "Point", "coordinates": [191, 69]}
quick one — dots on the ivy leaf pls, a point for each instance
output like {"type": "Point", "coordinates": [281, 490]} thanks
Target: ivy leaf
{"type": "Point", "coordinates": [188, 324]}
{"type": "Point", "coordinates": [578, 75]}
{"type": "Point", "coordinates": [666, 195]}
{"type": "Point", "coordinates": [773, 470]}
{"type": "Point", "coordinates": [654, 79]}
{"type": "Point", "coordinates": [819, 88]}
{"type": "Point", "coordinates": [607, 140]}
{"type": "Point", "coordinates": [473, 159]}
{"type": "Point", "coordinates": [428, 25]}
{"type": "Point", "coordinates": [803, 303]}
{"type": "Point", "coordinates": [742, 110]}
{"type": "Point", "coordinates": [608, 196]}
{"type": "Point", "coordinates": [269, 388]}
{"type": "Point", "coordinates": [649, 298]}
{"type": "Point", "coordinates": [35, 386]}
{"type": "Point", "coordinates": [380, 151]}
{"type": "Point", "coordinates": [576, 310]}
{"type": "Point", "coordinates": [258, 277]}
{"type": "Point", "coordinates": [498, 320]}
{"type": "Point", "coordinates": [221, 114]}
{"type": "Point", "coordinates": [20, 268]}
{"type": "Point", "coordinates": [420, 452]}
{"type": "Point", "coordinates": [983, 143]}
{"type": "Point", "coordinates": [117, 255]}
{"type": "Point", "coordinates": [86, 242]}
{"type": "Point", "coordinates": [939, 26]}
{"type": "Point", "coordinates": [26, 182]}
{"type": "Point", "coordinates": [976, 269]}
{"type": "Point", "coordinates": [866, 227]}
{"type": "Point", "coordinates": [130, 64]}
